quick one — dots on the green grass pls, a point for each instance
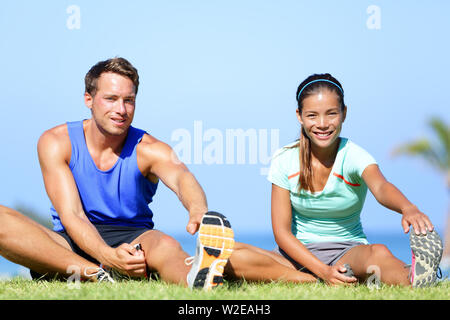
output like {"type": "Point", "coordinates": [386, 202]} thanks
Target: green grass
{"type": "Point", "coordinates": [20, 289]}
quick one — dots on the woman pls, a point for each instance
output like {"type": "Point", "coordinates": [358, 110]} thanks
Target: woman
{"type": "Point", "coordinates": [319, 184]}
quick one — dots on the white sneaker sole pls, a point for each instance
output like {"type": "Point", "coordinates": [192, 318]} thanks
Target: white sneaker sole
{"type": "Point", "coordinates": [426, 256]}
{"type": "Point", "coordinates": [216, 241]}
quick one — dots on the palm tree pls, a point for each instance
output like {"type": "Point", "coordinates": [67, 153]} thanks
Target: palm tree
{"type": "Point", "coordinates": [437, 154]}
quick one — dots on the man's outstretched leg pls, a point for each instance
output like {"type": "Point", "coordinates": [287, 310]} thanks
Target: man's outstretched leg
{"type": "Point", "coordinates": [25, 242]}
{"type": "Point", "coordinates": [216, 253]}
{"type": "Point", "coordinates": [255, 264]}
{"type": "Point", "coordinates": [214, 246]}
{"type": "Point", "coordinates": [164, 255]}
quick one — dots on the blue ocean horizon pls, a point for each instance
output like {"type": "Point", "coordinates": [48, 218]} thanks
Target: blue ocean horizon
{"type": "Point", "coordinates": [397, 242]}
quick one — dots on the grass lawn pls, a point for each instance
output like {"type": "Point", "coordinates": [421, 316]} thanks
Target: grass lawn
{"type": "Point", "coordinates": [20, 289]}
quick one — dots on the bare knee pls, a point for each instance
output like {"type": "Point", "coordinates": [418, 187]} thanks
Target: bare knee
{"type": "Point", "coordinates": [377, 255]}
{"type": "Point", "coordinates": [8, 214]}
{"type": "Point", "coordinates": [8, 217]}
{"type": "Point", "coordinates": [240, 258]}
{"type": "Point", "coordinates": [160, 248]}
{"type": "Point", "coordinates": [240, 253]}
{"type": "Point", "coordinates": [240, 246]}
{"type": "Point", "coordinates": [5, 211]}
{"type": "Point", "coordinates": [379, 251]}
{"type": "Point", "coordinates": [166, 244]}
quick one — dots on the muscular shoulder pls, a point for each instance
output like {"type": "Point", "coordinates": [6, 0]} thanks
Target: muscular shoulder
{"type": "Point", "coordinates": [151, 147]}
{"type": "Point", "coordinates": [152, 152]}
{"type": "Point", "coordinates": [55, 143]}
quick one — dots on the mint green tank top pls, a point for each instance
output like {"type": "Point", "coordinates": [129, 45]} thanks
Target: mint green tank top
{"type": "Point", "coordinates": [333, 214]}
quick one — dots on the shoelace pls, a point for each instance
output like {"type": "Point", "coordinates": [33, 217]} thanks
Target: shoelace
{"type": "Point", "coordinates": [439, 275]}
{"type": "Point", "coordinates": [101, 274]}
{"type": "Point", "coordinates": [189, 260]}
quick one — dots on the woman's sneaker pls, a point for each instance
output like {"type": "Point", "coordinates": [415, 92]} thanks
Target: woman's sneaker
{"type": "Point", "coordinates": [426, 256]}
{"type": "Point", "coordinates": [215, 244]}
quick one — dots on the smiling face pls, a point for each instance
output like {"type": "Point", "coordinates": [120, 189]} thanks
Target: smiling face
{"type": "Point", "coordinates": [321, 117]}
{"type": "Point", "coordinates": [113, 104]}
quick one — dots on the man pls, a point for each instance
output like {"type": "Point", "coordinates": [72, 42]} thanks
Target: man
{"type": "Point", "coordinates": [100, 175]}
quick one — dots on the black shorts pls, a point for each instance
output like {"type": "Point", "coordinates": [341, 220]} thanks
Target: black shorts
{"type": "Point", "coordinates": [114, 236]}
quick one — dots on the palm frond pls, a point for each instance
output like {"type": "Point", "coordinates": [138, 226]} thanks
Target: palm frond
{"type": "Point", "coordinates": [442, 131]}
{"type": "Point", "coordinates": [421, 148]}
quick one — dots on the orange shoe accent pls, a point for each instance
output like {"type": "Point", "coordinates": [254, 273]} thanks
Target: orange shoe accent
{"type": "Point", "coordinates": [215, 244]}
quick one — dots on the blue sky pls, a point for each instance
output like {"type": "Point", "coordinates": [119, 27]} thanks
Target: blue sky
{"type": "Point", "coordinates": [228, 66]}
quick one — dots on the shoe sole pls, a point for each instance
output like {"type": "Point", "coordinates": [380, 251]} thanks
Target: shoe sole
{"type": "Point", "coordinates": [426, 256]}
{"type": "Point", "coordinates": [217, 242]}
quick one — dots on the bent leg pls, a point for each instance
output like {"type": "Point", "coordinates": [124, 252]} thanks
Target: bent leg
{"type": "Point", "coordinates": [25, 242]}
{"type": "Point", "coordinates": [256, 264]}
{"type": "Point", "coordinates": [367, 259]}
{"type": "Point", "coordinates": [164, 255]}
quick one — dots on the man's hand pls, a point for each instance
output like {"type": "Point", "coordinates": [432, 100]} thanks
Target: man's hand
{"type": "Point", "coordinates": [127, 260]}
{"type": "Point", "coordinates": [194, 222]}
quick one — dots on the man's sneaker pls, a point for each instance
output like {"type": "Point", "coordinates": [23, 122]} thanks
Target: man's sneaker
{"type": "Point", "coordinates": [116, 275]}
{"type": "Point", "coordinates": [100, 275]}
{"type": "Point", "coordinates": [215, 244]}
{"type": "Point", "coordinates": [426, 256]}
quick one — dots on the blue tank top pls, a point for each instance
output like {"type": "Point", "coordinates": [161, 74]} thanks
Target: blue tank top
{"type": "Point", "coordinates": [119, 196]}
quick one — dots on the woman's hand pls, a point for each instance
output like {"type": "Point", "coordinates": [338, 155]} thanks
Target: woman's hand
{"type": "Point", "coordinates": [334, 275]}
{"type": "Point", "coordinates": [419, 221]}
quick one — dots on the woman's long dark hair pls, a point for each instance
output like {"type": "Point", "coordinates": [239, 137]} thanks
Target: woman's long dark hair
{"type": "Point", "coordinates": [306, 89]}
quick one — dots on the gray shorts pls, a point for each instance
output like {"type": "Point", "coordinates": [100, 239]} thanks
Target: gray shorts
{"type": "Point", "coordinates": [327, 252]}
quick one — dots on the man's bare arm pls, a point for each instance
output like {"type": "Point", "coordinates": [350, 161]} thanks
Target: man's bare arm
{"type": "Point", "coordinates": [157, 159]}
{"type": "Point", "coordinates": [54, 151]}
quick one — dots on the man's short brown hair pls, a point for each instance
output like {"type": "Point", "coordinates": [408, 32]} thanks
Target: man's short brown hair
{"type": "Point", "coordinates": [116, 65]}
